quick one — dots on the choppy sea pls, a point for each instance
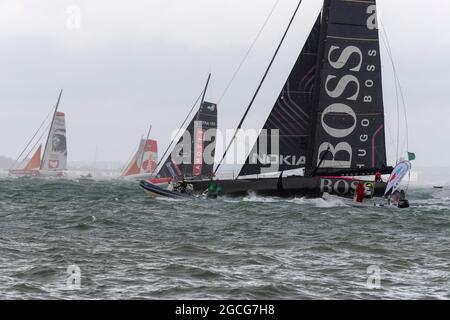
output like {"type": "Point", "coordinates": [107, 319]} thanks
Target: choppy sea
{"type": "Point", "coordinates": [105, 239]}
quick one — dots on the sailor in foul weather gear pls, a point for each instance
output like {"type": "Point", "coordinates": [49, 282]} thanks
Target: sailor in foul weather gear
{"type": "Point", "coordinates": [182, 185]}
{"type": "Point", "coordinates": [378, 177]}
{"type": "Point", "coordinates": [403, 202]}
{"type": "Point", "coordinates": [398, 198]}
{"type": "Point", "coordinates": [360, 193]}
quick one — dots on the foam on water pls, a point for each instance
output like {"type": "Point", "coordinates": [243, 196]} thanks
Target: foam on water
{"type": "Point", "coordinates": [252, 197]}
{"type": "Point", "coordinates": [128, 245]}
{"type": "Point", "coordinates": [319, 202]}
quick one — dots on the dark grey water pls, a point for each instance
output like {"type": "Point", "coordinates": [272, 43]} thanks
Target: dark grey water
{"type": "Point", "coordinates": [129, 246]}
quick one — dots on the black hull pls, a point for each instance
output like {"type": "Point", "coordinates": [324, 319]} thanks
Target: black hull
{"type": "Point", "coordinates": [155, 191]}
{"type": "Point", "coordinates": [289, 187]}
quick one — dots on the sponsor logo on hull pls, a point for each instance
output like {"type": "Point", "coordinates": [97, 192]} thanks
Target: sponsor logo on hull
{"type": "Point", "coordinates": [343, 187]}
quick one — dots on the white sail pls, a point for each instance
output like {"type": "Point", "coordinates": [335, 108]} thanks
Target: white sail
{"type": "Point", "coordinates": [55, 153]}
{"type": "Point", "coordinates": [400, 171]}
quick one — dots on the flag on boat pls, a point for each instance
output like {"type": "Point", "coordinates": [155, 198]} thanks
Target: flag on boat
{"type": "Point", "coordinates": [400, 171]}
{"type": "Point", "coordinates": [411, 156]}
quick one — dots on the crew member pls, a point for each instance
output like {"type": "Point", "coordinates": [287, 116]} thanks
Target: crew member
{"type": "Point", "coordinates": [360, 192]}
{"type": "Point", "coordinates": [182, 185]}
{"type": "Point", "coordinates": [378, 177]}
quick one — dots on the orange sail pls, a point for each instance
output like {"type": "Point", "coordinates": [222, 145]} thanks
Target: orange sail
{"type": "Point", "coordinates": [132, 168]}
{"type": "Point", "coordinates": [35, 162]}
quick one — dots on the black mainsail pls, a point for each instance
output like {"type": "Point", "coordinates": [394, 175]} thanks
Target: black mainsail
{"type": "Point", "coordinates": [348, 132]}
{"type": "Point", "coordinates": [289, 123]}
{"type": "Point", "coordinates": [193, 155]}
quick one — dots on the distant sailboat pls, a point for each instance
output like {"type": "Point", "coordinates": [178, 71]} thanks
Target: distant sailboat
{"type": "Point", "coordinates": [53, 160]}
{"type": "Point", "coordinates": [192, 157]}
{"type": "Point", "coordinates": [144, 162]}
{"type": "Point", "coordinates": [195, 166]}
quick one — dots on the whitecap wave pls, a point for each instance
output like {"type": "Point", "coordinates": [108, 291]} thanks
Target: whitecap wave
{"type": "Point", "coordinates": [3, 173]}
{"type": "Point", "coordinates": [96, 175]}
{"type": "Point", "coordinates": [252, 197]}
{"type": "Point", "coordinates": [167, 199]}
{"type": "Point", "coordinates": [329, 202]}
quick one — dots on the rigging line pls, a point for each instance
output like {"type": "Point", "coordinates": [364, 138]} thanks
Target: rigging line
{"type": "Point", "coordinates": [383, 37]}
{"type": "Point", "coordinates": [404, 112]}
{"type": "Point", "coordinates": [322, 159]}
{"type": "Point", "coordinates": [388, 127]}
{"type": "Point", "coordinates": [196, 119]}
{"type": "Point", "coordinates": [389, 131]}
{"type": "Point", "coordinates": [248, 51]}
{"type": "Point", "coordinates": [399, 84]}
{"type": "Point", "coordinates": [259, 86]}
{"type": "Point", "coordinates": [178, 132]}
{"type": "Point", "coordinates": [398, 120]}
{"type": "Point", "coordinates": [37, 142]}
{"type": "Point", "coordinates": [401, 93]}
{"type": "Point", "coordinates": [31, 140]}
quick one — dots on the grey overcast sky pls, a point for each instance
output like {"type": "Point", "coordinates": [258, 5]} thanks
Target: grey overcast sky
{"type": "Point", "coordinates": [136, 63]}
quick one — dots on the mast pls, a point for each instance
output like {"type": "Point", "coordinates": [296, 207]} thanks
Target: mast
{"type": "Point", "coordinates": [51, 126]}
{"type": "Point", "coordinates": [204, 92]}
{"type": "Point", "coordinates": [241, 122]}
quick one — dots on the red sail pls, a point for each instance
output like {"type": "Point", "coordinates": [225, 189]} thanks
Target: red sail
{"type": "Point", "coordinates": [150, 157]}
{"type": "Point", "coordinates": [145, 160]}
{"type": "Point", "coordinates": [132, 169]}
